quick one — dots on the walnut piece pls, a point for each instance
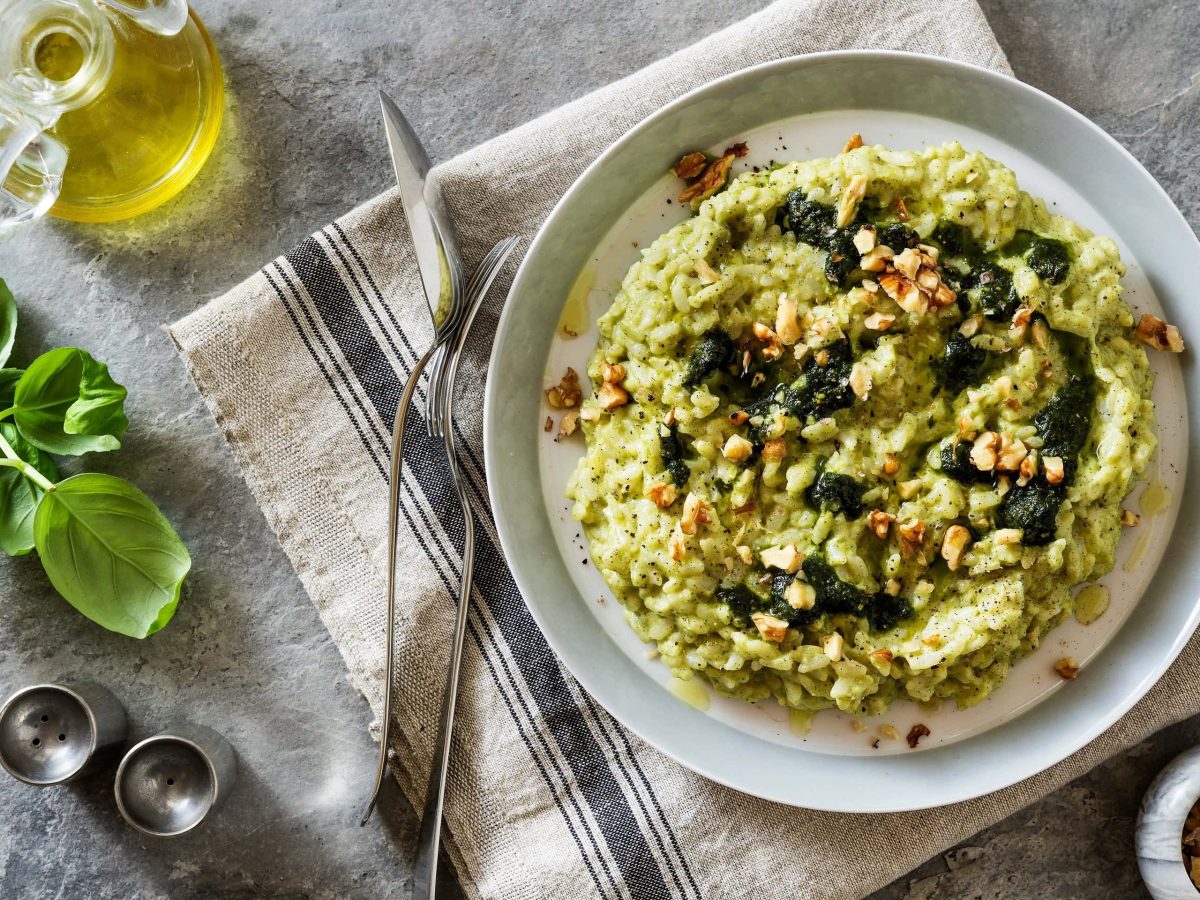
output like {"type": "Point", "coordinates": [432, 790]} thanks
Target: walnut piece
{"type": "Point", "coordinates": [1158, 334]}
{"type": "Point", "coordinates": [912, 537]}
{"type": "Point", "coordinates": [705, 272]}
{"type": "Point", "coordinates": [1067, 667]}
{"type": "Point", "coordinates": [663, 494]}
{"type": "Point", "coordinates": [854, 143]}
{"type": "Point", "coordinates": [832, 645]}
{"type": "Point", "coordinates": [852, 195]}
{"type": "Point", "coordinates": [915, 734]}
{"type": "Point", "coordinates": [691, 165]}
{"type": "Point", "coordinates": [787, 558]}
{"type": "Point", "coordinates": [567, 393]}
{"type": "Point", "coordinates": [610, 396]}
{"type": "Point", "coordinates": [770, 627]}
{"type": "Point", "coordinates": [1129, 518]}
{"type": "Point", "coordinates": [569, 423]}
{"type": "Point", "coordinates": [954, 545]}
{"type": "Point", "coordinates": [737, 448]}
{"type": "Point", "coordinates": [787, 325]}
{"type": "Point", "coordinates": [880, 522]}
{"type": "Point", "coordinates": [1053, 468]}
{"type": "Point", "coordinates": [800, 595]}
{"type": "Point", "coordinates": [774, 450]}
{"type": "Point", "coordinates": [696, 512]}
{"type": "Point", "coordinates": [712, 178]}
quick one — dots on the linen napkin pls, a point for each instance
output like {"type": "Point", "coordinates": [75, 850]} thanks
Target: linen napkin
{"type": "Point", "coordinates": [549, 797]}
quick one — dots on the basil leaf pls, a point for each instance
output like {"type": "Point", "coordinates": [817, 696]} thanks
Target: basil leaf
{"type": "Point", "coordinates": [8, 322]}
{"type": "Point", "coordinates": [110, 552]}
{"type": "Point", "coordinates": [18, 495]}
{"type": "Point", "coordinates": [8, 385]}
{"type": "Point", "coordinates": [67, 403]}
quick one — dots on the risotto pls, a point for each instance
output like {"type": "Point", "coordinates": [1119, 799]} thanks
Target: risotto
{"type": "Point", "coordinates": [861, 424]}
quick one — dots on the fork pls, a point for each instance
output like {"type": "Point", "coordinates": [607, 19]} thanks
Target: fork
{"type": "Point", "coordinates": [429, 838]}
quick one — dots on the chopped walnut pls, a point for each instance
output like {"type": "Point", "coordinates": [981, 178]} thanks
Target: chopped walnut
{"type": "Point", "coordinates": [854, 143]}
{"type": "Point", "coordinates": [1129, 518]}
{"type": "Point", "coordinates": [904, 292]}
{"type": "Point", "coordinates": [901, 210]}
{"type": "Point", "coordinates": [774, 450]}
{"type": "Point", "coordinates": [737, 448]}
{"type": "Point", "coordinates": [612, 373]}
{"type": "Point", "coordinates": [1052, 466]}
{"type": "Point", "coordinates": [915, 734]}
{"type": "Point", "coordinates": [774, 347]}
{"type": "Point", "coordinates": [908, 262]}
{"type": "Point", "coordinates": [1158, 334]}
{"type": "Point", "coordinates": [1028, 469]}
{"type": "Point", "coordinates": [786, 558]}
{"type": "Point", "coordinates": [549, 426]}
{"type": "Point", "coordinates": [1022, 316]}
{"type": "Point", "coordinates": [739, 418]}
{"type": "Point", "coordinates": [1011, 454]}
{"type": "Point", "coordinates": [864, 239]}
{"type": "Point", "coordinates": [567, 393]}
{"type": "Point", "coordinates": [678, 544]}
{"type": "Point", "coordinates": [892, 588]}
{"type": "Point", "coordinates": [880, 522]}
{"type": "Point", "coordinates": [881, 657]}
{"type": "Point", "coordinates": [852, 195]}
{"type": "Point", "coordinates": [570, 422]}
{"type": "Point", "coordinates": [696, 512]}
{"type": "Point", "coordinates": [800, 595]}
{"type": "Point", "coordinates": [954, 545]}
{"type": "Point", "coordinates": [891, 464]}
{"type": "Point", "coordinates": [610, 396]}
{"type": "Point", "coordinates": [770, 627]}
{"type": "Point", "coordinates": [908, 489]}
{"type": "Point", "coordinates": [876, 259]}
{"type": "Point", "coordinates": [705, 272]}
{"type": "Point", "coordinates": [691, 165]}
{"type": "Point", "coordinates": [912, 537]}
{"type": "Point", "coordinates": [787, 325]}
{"type": "Point", "coordinates": [983, 451]}
{"type": "Point", "coordinates": [832, 645]}
{"type": "Point", "coordinates": [879, 321]}
{"type": "Point", "coordinates": [712, 177]}
{"type": "Point", "coordinates": [970, 326]}
{"type": "Point", "coordinates": [870, 286]}
{"type": "Point", "coordinates": [663, 495]}
{"type": "Point", "coordinates": [1067, 667]}
{"type": "Point", "coordinates": [744, 553]}
{"type": "Point", "coordinates": [1041, 334]}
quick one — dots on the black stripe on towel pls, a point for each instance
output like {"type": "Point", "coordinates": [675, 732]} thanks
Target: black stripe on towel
{"type": "Point", "coordinates": [539, 669]}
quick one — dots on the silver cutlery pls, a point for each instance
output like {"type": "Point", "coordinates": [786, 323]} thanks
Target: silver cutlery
{"type": "Point", "coordinates": [442, 278]}
{"type": "Point", "coordinates": [429, 837]}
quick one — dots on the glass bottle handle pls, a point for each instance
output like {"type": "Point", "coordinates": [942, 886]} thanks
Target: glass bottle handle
{"type": "Point", "coordinates": [31, 169]}
{"type": "Point", "coordinates": [166, 17]}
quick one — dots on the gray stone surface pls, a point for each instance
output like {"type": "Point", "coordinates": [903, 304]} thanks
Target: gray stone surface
{"type": "Point", "coordinates": [247, 653]}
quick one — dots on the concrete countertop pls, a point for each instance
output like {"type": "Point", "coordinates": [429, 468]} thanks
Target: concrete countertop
{"type": "Point", "coordinates": [246, 652]}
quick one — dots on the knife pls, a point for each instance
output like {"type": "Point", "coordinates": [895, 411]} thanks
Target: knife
{"type": "Point", "coordinates": [442, 279]}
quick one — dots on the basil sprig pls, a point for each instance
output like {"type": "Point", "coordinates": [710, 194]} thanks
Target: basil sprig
{"type": "Point", "coordinates": [104, 545]}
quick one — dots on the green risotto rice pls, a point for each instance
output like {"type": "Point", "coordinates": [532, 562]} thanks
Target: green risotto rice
{"type": "Point", "coordinates": [861, 425]}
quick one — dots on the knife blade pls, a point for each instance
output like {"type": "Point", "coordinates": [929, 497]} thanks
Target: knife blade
{"type": "Point", "coordinates": [434, 239]}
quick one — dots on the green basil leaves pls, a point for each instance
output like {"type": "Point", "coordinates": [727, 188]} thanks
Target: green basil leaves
{"type": "Point", "coordinates": [67, 403]}
{"type": "Point", "coordinates": [103, 543]}
{"type": "Point", "coordinates": [8, 322]}
{"type": "Point", "coordinates": [19, 496]}
{"type": "Point", "coordinates": [111, 553]}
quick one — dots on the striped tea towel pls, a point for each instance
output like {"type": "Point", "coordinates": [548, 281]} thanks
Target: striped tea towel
{"type": "Point", "coordinates": [549, 797]}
